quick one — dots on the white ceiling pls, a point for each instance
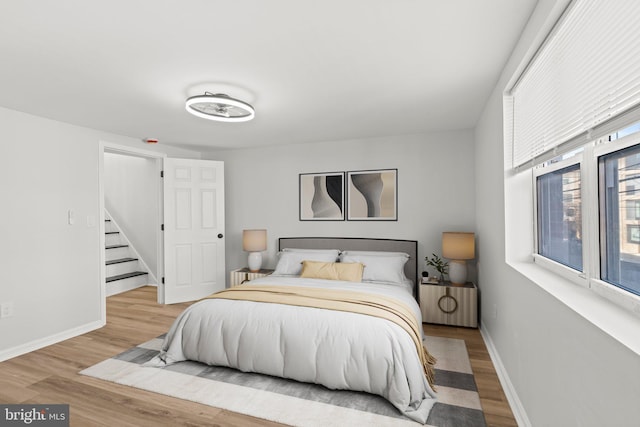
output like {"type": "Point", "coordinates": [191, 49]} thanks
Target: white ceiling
{"type": "Point", "coordinates": [314, 70]}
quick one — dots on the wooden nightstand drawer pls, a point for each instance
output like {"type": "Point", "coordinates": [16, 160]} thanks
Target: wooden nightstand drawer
{"type": "Point", "coordinates": [449, 305]}
{"type": "Point", "coordinates": [241, 275]}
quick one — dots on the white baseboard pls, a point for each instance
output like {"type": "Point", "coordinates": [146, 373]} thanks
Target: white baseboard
{"type": "Point", "coordinates": [514, 401]}
{"type": "Point", "coordinates": [46, 341]}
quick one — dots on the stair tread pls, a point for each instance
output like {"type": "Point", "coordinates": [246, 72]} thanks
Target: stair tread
{"type": "Point", "coordinates": [116, 246]}
{"type": "Point", "coordinates": [120, 260]}
{"type": "Point", "coordinates": [126, 276]}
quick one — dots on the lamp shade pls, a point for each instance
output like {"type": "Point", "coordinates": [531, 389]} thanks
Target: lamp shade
{"type": "Point", "coordinates": [254, 240]}
{"type": "Point", "coordinates": [458, 245]}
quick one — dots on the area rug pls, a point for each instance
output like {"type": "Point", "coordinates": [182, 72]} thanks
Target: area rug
{"type": "Point", "coordinates": [299, 404]}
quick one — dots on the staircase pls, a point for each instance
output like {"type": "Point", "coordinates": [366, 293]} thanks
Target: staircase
{"type": "Point", "coordinates": [124, 270]}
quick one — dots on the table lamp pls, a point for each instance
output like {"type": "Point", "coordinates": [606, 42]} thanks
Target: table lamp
{"type": "Point", "coordinates": [458, 247]}
{"type": "Point", "coordinates": [254, 242]}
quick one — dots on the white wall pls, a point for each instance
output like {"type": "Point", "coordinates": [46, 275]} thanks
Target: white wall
{"type": "Point", "coordinates": [132, 197]}
{"type": "Point", "coordinates": [49, 269]}
{"type": "Point", "coordinates": [435, 189]}
{"type": "Point", "coordinates": [563, 370]}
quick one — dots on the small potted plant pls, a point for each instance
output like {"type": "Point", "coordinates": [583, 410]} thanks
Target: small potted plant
{"type": "Point", "coordinates": [441, 266]}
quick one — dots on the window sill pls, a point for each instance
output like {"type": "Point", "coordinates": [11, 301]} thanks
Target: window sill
{"type": "Point", "coordinates": [622, 325]}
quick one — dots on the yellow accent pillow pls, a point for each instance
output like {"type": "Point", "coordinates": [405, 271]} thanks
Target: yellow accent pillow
{"type": "Point", "coordinates": [347, 271]}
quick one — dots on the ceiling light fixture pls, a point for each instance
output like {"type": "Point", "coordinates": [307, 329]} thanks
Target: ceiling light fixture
{"type": "Point", "coordinates": [219, 107]}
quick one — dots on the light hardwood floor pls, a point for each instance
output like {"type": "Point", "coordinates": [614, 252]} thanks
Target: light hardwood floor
{"type": "Point", "coordinates": [50, 375]}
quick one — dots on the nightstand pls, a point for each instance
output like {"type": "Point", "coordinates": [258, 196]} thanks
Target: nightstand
{"type": "Point", "coordinates": [449, 304]}
{"type": "Point", "coordinates": [241, 275]}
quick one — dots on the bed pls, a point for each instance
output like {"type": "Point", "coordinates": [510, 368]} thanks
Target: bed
{"type": "Point", "coordinates": [340, 312]}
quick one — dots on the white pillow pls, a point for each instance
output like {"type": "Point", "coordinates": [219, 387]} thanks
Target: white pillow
{"type": "Point", "coordinates": [379, 267]}
{"type": "Point", "coordinates": [290, 262]}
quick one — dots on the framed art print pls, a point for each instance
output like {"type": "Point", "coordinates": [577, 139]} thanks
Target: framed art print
{"type": "Point", "coordinates": [372, 195]}
{"type": "Point", "coordinates": [322, 196]}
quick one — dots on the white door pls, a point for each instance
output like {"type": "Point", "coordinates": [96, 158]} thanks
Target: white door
{"type": "Point", "coordinates": [193, 229]}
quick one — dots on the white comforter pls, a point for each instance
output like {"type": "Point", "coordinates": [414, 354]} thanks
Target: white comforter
{"type": "Point", "coordinates": [337, 349]}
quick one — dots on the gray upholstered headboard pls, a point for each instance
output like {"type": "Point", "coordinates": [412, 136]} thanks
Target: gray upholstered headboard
{"type": "Point", "coordinates": [360, 244]}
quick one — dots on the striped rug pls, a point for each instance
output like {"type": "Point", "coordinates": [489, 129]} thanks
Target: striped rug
{"type": "Point", "coordinates": [294, 403]}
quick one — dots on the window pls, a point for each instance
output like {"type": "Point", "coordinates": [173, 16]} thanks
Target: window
{"type": "Point", "coordinates": [619, 189]}
{"type": "Point", "coordinates": [558, 223]}
{"type": "Point", "coordinates": [610, 169]}
{"type": "Point", "coordinates": [578, 128]}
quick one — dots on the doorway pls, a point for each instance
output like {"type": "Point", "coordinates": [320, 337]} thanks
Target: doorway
{"type": "Point", "coordinates": [131, 188]}
{"type": "Point", "coordinates": [188, 242]}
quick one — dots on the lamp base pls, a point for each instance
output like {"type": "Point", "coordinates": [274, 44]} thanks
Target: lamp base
{"type": "Point", "coordinates": [255, 261]}
{"type": "Point", "coordinates": [458, 272]}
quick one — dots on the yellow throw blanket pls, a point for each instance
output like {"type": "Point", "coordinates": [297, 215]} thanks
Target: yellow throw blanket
{"type": "Point", "coordinates": [340, 300]}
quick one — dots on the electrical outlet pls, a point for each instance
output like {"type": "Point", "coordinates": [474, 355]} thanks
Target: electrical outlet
{"type": "Point", "coordinates": [6, 310]}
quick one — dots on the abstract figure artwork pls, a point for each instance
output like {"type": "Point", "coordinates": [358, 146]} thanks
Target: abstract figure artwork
{"type": "Point", "coordinates": [322, 196]}
{"type": "Point", "coordinates": [373, 195]}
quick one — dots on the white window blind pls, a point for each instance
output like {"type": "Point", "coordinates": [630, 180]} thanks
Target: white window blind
{"type": "Point", "coordinates": [586, 73]}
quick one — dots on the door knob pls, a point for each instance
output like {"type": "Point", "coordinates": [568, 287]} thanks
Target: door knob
{"type": "Point", "coordinates": [220, 236]}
